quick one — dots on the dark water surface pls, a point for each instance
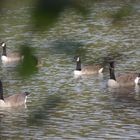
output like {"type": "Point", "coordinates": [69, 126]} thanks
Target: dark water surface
{"type": "Point", "coordinates": [60, 106]}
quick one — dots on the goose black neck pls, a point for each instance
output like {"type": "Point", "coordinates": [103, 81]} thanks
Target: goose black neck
{"type": "Point", "coordinates": [4, 51]}
{"type": "Point", "coordinates": [112, 73]}
{"type": "Point", "coordinates": [78, 65]}
{"type": "Point", "coordinates": [1, 91]}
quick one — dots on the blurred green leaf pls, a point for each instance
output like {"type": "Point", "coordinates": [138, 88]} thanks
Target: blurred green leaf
{"type": "Point", "coordinates": [49, 106]}
{"type": "Point", "coordinates": [28, 65]}
{"type": "Point", "coordinates": [81, 6]}
{"type": "Point", "coordinates": [47, 12]}
{"type": "Point", "coordinates": [122, 13]}
{"type": "Point", "coordinates": [1, 5]}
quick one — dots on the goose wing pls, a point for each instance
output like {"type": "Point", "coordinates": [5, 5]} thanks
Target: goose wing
{"type": "Point", "coordinates": [126, 79]}
{"type": "Point", "coordinates": [14, 57]}
{"type": "Point", "coordinates": [91, 69]}
{"type": "Point", "coordinates": [16, 99]}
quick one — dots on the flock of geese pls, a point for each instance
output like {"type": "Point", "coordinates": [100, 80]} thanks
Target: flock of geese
{"type": "Point", "coordinates": [124, 80]}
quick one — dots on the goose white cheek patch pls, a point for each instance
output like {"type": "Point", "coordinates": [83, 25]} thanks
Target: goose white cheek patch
{"type": "Point", "coordinates": [137, 80]}
{"type": "Point", "coordinates": [78, 59]}
{"type": "Point", "coordinates": [3, 44]}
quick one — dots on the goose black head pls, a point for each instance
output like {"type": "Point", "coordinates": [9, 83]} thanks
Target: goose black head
{"type": "Point", "coordinates": [112, 64]}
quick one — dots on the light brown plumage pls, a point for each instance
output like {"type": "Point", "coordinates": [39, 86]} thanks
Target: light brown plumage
{"type": "Point", "coordinates": [91, 69]}
{"type": "Point", "coordinates": [127, 79]}
{"type": "Point", "coordinates": [13, 100]}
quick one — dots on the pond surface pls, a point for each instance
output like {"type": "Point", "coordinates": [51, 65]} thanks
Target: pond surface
{"type": "Point", "coordinates": [61, 107]}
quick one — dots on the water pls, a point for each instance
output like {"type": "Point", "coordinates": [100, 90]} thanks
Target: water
{"type": "Point", "coordinates": [60, 106]}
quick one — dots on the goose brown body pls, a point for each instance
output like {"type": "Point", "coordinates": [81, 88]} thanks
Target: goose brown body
{"type": "Point", "coordinates": [13, 100]}
{"type": "Point", "coordinates": [91, 69]}
{"type": "Point", "coordinates": [87, 70]}
{"type": "Point", "coordinates": [124, 80]}
{"type": "Point", "coordinates": [127, 79]}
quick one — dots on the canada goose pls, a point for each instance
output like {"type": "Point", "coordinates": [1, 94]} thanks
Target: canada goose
{"type": "Point", "coordinates": [124, 80]}
{"type": "Point", "coordinates": [7, 59]}
{"type": "Point", "coordinates": [13, 100]}
{"type": "Point", "coordinates": [88, 70]}
{"type": "Point", "coordinates": [15, 58]}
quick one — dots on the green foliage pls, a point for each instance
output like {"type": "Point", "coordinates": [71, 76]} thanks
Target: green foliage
{"type": "Point", "coordinates": [28, 65]}
{"type": "Point", "coordinates": [48, 107]}
{"type": "Point", "coordinates": [46, 12]}
{"type": "Point", "coordinates": [122, 13]}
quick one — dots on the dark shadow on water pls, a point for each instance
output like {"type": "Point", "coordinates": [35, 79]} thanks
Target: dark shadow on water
{"type": "Point", "coordinates": [125, 95]}
{"type": "Point", "coordinates": [47, 12]}
{"type": "Point", "coordinates": [69, 47]}
{"type": "Point", "coordinates": [43, 112]}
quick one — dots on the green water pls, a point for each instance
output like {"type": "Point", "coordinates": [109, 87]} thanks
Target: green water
{"type": "Point", "coordinates": [60, 106]}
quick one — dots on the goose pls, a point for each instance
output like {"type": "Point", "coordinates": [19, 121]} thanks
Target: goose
{"type": "Point", "coordinates": [88, 70]}
{"type": "Point", "coordinates": [8, 59]}
{"type": "Point", "coordinates": [15, 58]}
{"type": "Point", "coordinates": [13, 100]}
{"type": "Point", "coordinates": [125, 80]}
